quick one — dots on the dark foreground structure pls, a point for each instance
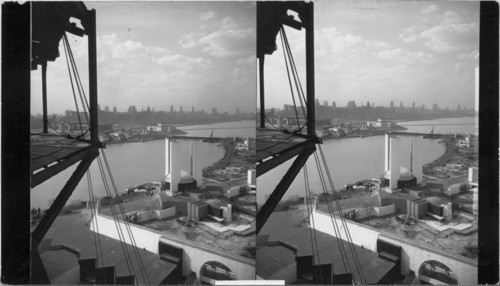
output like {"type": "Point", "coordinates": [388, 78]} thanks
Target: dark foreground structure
{"type": "Point", "coordinates": [284, 252]}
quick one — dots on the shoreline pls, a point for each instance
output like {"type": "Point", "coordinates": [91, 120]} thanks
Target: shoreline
{"type": "Point", "coordinates": [450, 151]}
{"type": "Point", "coordinates": [424, 119]}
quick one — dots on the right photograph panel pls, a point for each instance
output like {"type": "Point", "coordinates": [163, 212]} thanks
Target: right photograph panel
{"type": "Point", "coordinates": [367, 142]}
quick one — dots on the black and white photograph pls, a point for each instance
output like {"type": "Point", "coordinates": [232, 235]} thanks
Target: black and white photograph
{"type": "Point", "coordinates": [323, 142]}
{"type": "Point", "coordinates": [143, 142]}
{"type": "Point", "coordinates": [368, 112]}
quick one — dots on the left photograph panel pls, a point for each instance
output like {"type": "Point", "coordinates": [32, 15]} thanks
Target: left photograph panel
{"type": "Point", "coordinates": [142, 145]}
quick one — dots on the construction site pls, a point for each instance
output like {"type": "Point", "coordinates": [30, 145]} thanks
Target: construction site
{"type": "Point", "coordinates": [193, 226]}
{"type": "Point", "coordinates": [402, 206]}
{"type": "Point", "coordinates": [393, 229]}
{"type": "Point", "coordinates": [216, 215]}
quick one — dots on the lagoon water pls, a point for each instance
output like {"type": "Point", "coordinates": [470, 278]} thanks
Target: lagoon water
{"type": "Point", "coordinates": [349, 160]}
{"type": "Point", "coordinates": [354, 159]}
{"type": "Point", "coordinates": [136, 163]}
{"type": "Point", "coordinates": [131, 164]}
{"type": "Point", "coordinates": [225, 129]}
{"type": "Point", "coordinates": [462, 125]}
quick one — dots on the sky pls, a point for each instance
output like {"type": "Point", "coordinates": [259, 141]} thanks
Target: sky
{"type": "Point", "coordinates": [377, 51]}
{"type": "Point", "coordinates": [159, 54]}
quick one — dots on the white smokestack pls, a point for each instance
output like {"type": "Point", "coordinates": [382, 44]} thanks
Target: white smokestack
{"type": "Point", "coordinates": [175, 162]}
{"type": "Point", "coordinates": [416, 158]}
{"type": "Point", "coordinates": [197, 171]}
{"type": "Point", "coordinates": [191, 157]}
{"type": "Point", "coordinates": [395, 161]}
{"type": "Point", "coordinates": [167, 156]}
{"type": "Point", "coordinates": [386, 153]}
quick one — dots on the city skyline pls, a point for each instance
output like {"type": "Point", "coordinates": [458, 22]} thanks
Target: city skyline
{"type": "Point", "coordinates": [162, 54]}
{"type": "Point", "coordinates": [380, 52]}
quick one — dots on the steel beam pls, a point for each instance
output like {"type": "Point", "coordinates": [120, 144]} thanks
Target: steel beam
{"type": "Point", "coordinates": [261, 85]}
{"type": "Point", "coordinates": [311, 118]}
{"type": "Point", "coordinates": [42, 176]}
{"type": "Point", "coordinates": [280, 158]}
{"type": "Point", "coordinates": [62, 198]}
{"type": "Point", "coordinates": [38, 272]}
{"type": "Point", "coordinates": [44, 97]}
{"type": "Point", "coordinates": [94, 135]}
{"type": "Point", "coordinates": [275, 197]}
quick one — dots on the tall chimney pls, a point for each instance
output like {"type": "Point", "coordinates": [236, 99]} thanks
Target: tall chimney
{"type": "Point", "coordinates": [197, 157]}
{"type": "Point", "coordinates": [387, 153]}
{"type": "Point", "coordinates": [395, 161]}
{"type": "Point", "coordinates": [416, 158]}
{"type": "Point", "coordinates": [175, 162]}
{"type": "Point", "coordinates": [167, 156]}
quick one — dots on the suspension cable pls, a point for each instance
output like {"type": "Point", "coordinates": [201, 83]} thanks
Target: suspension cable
{"type": "Point", "coordinates": [312, 228]}
{"type": "Point", "coordinates": [78, 75]}
{"type": "Point", "coordinates": [343, 252]}
{"type": "Point", "coordinates": [77, 79]}
{"type": "Point", "coordinates": [348, 234]}
{"type": "Point", "coordinates": [297, 75]}
{"type": "Point", "coordinates": [288, 74]}
{"type": "Point", "coordinates": [357, 263]}
{"type": "Point", "coordinates": [127, 226]}
{"type": "Point", "coordinates": [119, 230]}
{"type": "Point", "coordinates": [73, 88]}
{"type": "Point", "coordinates": [97, 236]}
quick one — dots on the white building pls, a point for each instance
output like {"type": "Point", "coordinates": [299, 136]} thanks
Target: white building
{"type": "Point", "coordinates": [183, 156]}
{"type": "Point", "coordinates": [252, 178]}
{"type": "Point", "coordinates": [473, 175]}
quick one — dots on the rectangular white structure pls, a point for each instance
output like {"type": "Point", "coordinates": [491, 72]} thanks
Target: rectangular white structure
{"type": "Point", "coordinates": [473, 174]}
{"type": "Point", "coordinates": [252, 177]}
{"type": "Point", "coordinates": [387, 152]}
{"type": "Point", "coordinates": [175, 162]}
{"type": "Point", "coordinates": [416, 158]}
{"type": "Point", "coordinates": [184, 155]}
{"type": "Point", "coordinates": [395, 161]}
{"type": "Point", "coordinates": [167, 156]}
{"type": "Point", "coordinates": [197, 154]}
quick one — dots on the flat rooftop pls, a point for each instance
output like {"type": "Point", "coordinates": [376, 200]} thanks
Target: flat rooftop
{"type": "Point", "coordinates": [401, 195]}
{"type": "Point", "coordinates": [361, 200]}
{"type": "Point", "coordinates": [47, 149]}
{"type": "Point", "coordinates": [51, 154]}
{"type": "Point", "coordinates": [271, 259]}
{"type": "Point", "coordinates": [291, 227]}
{"type": "Point", "coordinates": [72, 232]}
{"type": "Point", "coordinates": [271, 142]}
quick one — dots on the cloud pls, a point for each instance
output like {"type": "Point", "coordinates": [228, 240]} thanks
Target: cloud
{"type": "Point", "coordinates": [409, 35]}
{"type": "Point", "coordinates": [229, 40]}
{"type": "Point", "coordinates": [111, 47]}
{"type": "Point", "coordinates": [469, 56]}
{"type": "Point", "coordinates": [208, 15]}
{"type": "Point", "coordinates": [183, 62]}
{"type": "Point", "coordinates": [430, 9]}
{"type": "Point", "coordinates": [405, 57]}
{"type": "Point", "coordinates": [189, 41]}
{"type": "Point", "coordinates": [451, 34]}
{"type": "Point", "coordinates": [246, 61]}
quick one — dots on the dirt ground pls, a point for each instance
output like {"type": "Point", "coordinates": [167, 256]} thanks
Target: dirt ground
{"type": "Point", "coordinates": [465, 245]}
{"type": "Point", "coordinates": [467, 156]}
{"type": "Point", "coordinates": [235, 244]}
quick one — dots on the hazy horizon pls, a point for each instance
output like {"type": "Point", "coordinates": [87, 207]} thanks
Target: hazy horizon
{"type": "Point", "coordinates": [377, 51]}
{"type": "Point", "coordinates": [160, 54]}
